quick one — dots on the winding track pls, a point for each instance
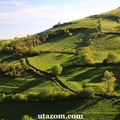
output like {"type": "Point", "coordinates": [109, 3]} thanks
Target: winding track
{"type": "Point", "coordinates": [55, 78]}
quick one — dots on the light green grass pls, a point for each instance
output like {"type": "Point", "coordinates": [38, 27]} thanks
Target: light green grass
{"type": "Point", "coordinates": [48, 60]}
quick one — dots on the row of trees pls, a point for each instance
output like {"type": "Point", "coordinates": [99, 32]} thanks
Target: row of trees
{"type": "Point", "coordinates": [11, 70]}
{"type": "Point", "coordinates": [30, 40]}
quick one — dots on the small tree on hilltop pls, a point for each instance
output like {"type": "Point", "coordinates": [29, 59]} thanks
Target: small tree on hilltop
{"type": "Point", "coordinates": [57, 69]}
{"type": "Point", "coordinates": [109, 78]}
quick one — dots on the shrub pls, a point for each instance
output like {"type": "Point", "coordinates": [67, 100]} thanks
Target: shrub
{"type": "Point", "coordinates": [32, 51]}
{"type": "Point", "coordinates": [86, 50]}
{"type": "Point", "coordinates": [86, 59]}
{"type": "Point", "coordinates": [26, 117]}
{"type": "Point", "coordinates": [70, 34]}
{"type": "Point", "coordinates": [88, 92]}
{"type": "Point", "coordinates": [2, 97]}
{"type": "Point", "coordinates": [79, 40]}
{"type": "Point", "coordinates": [113, 58]}
{"type": "Point", "coordinates": [19, 97]}
{"type": "Point", "coordinates": [57, 69]}
{"type": "Point", "coordinates": [90, 42]}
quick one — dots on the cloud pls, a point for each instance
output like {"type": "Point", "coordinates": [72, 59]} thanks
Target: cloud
{"type": "Point", "coordinates": [11, 1]}
{"type": "Point", "coordinates": [44, 12]}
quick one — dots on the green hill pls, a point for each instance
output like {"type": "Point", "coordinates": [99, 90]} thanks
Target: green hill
{"type": "Point", "coordinates": [82, 47]}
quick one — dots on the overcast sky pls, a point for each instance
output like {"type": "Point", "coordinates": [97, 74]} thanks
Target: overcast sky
{"type": "Point", "coordinates": [21, 17]}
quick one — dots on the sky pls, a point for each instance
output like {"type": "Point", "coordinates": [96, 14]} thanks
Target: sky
{"type": "Point", "coordinates": [19, 18]}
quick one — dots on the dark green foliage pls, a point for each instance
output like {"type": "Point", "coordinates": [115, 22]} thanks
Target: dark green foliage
{"type": "Point", "coordinates": [57, 69]}
{"type": "Point", "coordinates": [11, 70]}
{"type": "Point", "coordinates": [32, 51]}
{"type": "Point", "coordinates": [67, 32]}
{"type": "Point", "coordinates": [2, 97]}
{"type": "Point", "coordinates": [88, 92]}
{"type": "Point", "coordinates": [7, 49]}
{"type": "Point", "coordinates": [12, 97]}
{"type": "Point", "coordinates": [80, 40]}
{"type": "Point", "coordinates": [27, 117]}
{"type": "Point", "coordinates": [30, 40]}
{"type": "Point", "coordinates": [90, 42]}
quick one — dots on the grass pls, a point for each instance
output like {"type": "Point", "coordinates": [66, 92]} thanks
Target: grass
{"type": "Point", "coordinates": [30, 84]}
{"type": "Point", "coordinates": [60, 43]}
{"type": "Point", "coordinates": [76, 77]}
{"type": "Point", "coordinates": [48, 60]}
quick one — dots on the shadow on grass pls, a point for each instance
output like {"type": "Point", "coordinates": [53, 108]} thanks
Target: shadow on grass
{"type": "Point", "coordinates": [29, 85]}
{"type": "Point", "coordinates": [88, 74]}
{"type": "Point", "coordinates": [10, 110]}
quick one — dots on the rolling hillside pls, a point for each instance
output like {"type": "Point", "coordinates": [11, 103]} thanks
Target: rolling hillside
{"type": "Point", "coordinates": [81, 48]}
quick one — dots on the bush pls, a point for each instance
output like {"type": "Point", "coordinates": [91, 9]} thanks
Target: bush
{"type": "Point", "coordinates": [26, 117]}
{"type": "Point", "coordinates": [88, 92]}
{"type": "Point", "coordinates": [90, 42]}
{"type": "Point", "coordinates": [2, 97]}
{"type": "Point", "coordinates": [70, 34]}
{"type": "Point", "coordinates": [86, 59]}
{"type": "Point", "coordinates": [79, 40]}
{"type": "Point", "coordinates": [113, 58]}
{"type": "Point", "coordinates": [57, 69]}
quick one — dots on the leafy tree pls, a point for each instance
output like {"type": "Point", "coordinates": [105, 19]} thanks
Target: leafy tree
{"type": "Point", "coordinates": [90, 42]}
{"type": "Point", "coordinates": [57, 69]}
{"type": "Point", "coordinates": [113, 58]}
{"type": "Point", "coordinates": [79, 40]}
{"type": "Point", "coordinates": [85, 56]}
{"type": "Point", "coordinates": [109, 78]}
{"type": "Point", "coordinates": [86, 59]}
{"type": "Point", "coordinates": [32, 51]}
{"type": "Point", "coordinates": [70, 34]}
{"type": "Point", "coordinates": [26, 117]}
{"type": "Point", "coordinates": [86, 51]}
{"type": "Point", "coordinates": [99, 25]}
{"type": "Point", "coordinates": [88, 92]}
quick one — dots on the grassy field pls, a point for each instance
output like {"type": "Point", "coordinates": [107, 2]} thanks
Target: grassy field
{"type": "Point", "coordinates": [31, 84]}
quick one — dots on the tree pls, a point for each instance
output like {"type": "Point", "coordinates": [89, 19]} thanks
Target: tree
{"type": "Point", "coordinates": [109, 78]}
{"type": "Point", "coordinates": [113, 58]}
{"type": "Point", "coordinates": [80, 40]}
{"type": "Point", "coordinates": [88, 92]}
{"type": "Point", "coordinates": [87, 59]}
{"type": "Point", "coordinates": [26, 117]}
{"type": "Point", "coordinates": [86, 56]}
{"type": "Point", "coordinates": [57, 69]}
{"type": "Point", "coordinates": [99, 25]}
